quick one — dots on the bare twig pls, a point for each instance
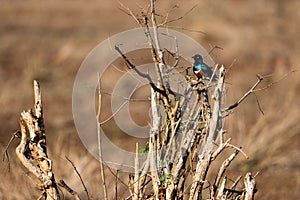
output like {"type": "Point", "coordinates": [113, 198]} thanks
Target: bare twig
{"type": "Point", "coordinates": [176, 54]}
{"type": "Point", "coordinates": [181, 17]}
{"type": "Point", "coordinates": [274, 82]}
{"type": "Point", "coordinates": [222, 170]}
{"type": "Point", "coordinates": [186, 29]}
{"type": "Point", "coordinates": [258, 104]}
{"type": "Point", "coordinates": [221, 194]}
{"type": "Point", "coordinates": [117, 111]}
{"type": "Point", "coordinates": [213, 48]}
{"type": "Point", "coordinates": [136, 184]}
{"type": "Point", "coordinates": [117, 177]}
{"type": "Point", "coordinates": [231, 65]}
{"type": "Point", "coordinates": [221, 147]}
{"type": "Point", "coordinates": [126, 98]}
{"type": "Point", "coordinates": [260, 78]}
{"type": "Point", "coordinates": [235, 182]}
{"type": "Point", "coordinates": [158, 57]}
{"type": "Point", "coordinates": [254, 89]}
{"type": "Point", "coordinates": [63, 184]}
{"type": "Point", "coordinates": [99, 139]}
{"type": "Point", "coordinates": [14, 135]}
{"type": "Point", "coordinates": [81, 180]}
{"type": "Point", "coordinates": [238, 149]}
{"type": "Point", "coordinates": [129, 12]}
{"type": "Point", "coordinates": [132, 66]}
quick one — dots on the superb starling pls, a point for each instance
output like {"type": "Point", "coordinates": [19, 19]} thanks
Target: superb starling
{"type": "Point", "coordinates": [200, 69]}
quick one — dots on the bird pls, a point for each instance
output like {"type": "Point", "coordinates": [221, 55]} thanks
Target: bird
{"type": "Point", "coordinates": [202, 70]}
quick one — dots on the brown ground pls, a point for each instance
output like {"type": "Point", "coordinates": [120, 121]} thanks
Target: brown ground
{"type": "Point", "coordinates": [48, 40]}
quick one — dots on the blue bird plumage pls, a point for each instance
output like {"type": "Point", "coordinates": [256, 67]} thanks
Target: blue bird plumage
{"type": "Point", "coordinates": [200, 69]}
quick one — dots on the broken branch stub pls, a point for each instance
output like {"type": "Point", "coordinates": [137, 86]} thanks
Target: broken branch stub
{"type": "Point", "coordinates": [32, 151]}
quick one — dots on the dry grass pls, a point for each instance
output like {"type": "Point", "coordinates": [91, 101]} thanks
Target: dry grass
{"type": "Point", "coordinates": [49, 40]}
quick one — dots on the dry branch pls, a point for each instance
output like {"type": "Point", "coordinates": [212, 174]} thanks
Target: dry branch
{"type": "Point", "coordinates": [99, 139]}
{"type": "Point", "coordinates": [254, 89]}
{"type": "Point", "coordinates": [32, 151]}
{"type": "Point", "coordinates": [260, 78]}
{"type": "Point", "coordinates": [81, 180]}
{"type": "Point", "coordinates": [221, 172]}
{"type": "Point", "coordinates": [198, 132]}
{"type": "Point", "coordinates": [215, 123]}
{"type": "Point", "coordinates": [63, 184]}
{"type": "Point", "coordinates": [250, 186]}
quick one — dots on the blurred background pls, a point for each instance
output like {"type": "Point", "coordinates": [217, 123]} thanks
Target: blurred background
{"type": "Point", "coordinates": [48, 41]}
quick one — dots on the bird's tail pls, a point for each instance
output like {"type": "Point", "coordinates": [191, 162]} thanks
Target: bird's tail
{"type": "Point", "coordinates": [206, 100]}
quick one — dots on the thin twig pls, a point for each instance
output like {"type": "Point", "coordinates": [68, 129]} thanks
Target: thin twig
{"type": "Point", "coordinates": [16, 134]}
{"type": "Point", "coordinates": [132, 66]}
{"type": "Point", "coordinates": [130, 196]}
{"type": "Point", "coordinates": [81, 180]}
{"type": "Point", "coordinates": [231, 65]}
{"type": "Point", "coordinates": [274, 82]}
{"type": "Point", "coordinates": [63, 184]}
{"type": "Point", "coordinates": [258, 104]}
{"type": "Point", "coordinates": [166, 16]}
{"type": "Point", "coordinates": [213, 48]}
{"type": "Point", "coordinates": [235, 182]}
{"type": "Point", "coordinates": [129, 12]}
{"type": "Point", "coordinates": [212, 76]}
{"type": "Point", "coordinates": [238, 149]}
{"type": "Point", "coordinates": [125, 98]}
{"type": "Point", "coordinates": [222, 170]}
{"type": "Point", "coordinates": [260, 78]}
{"type": "Point", "coordinates": [116, 177]}
{"type": "Point", "coordinates": [253, 90]}
{"type": "Point", "coordinates": [114, 114]}
{"type": "Point", "coordinates": [185, 29]}
{"type": "Point", "coordinates": [118, 110]}
{"type": "Point", "coordinates": [136, 183]}
{"type": "Point", "coordinates": [181, 17]}
{"type": "Point", "coordinates": [99, 138]}
{"type": "Point", "coordinates": [176, 54]}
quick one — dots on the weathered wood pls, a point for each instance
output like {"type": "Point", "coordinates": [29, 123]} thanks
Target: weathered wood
{"type": "Point", "coordinates": [250, 186]}
{"type": "Point", "coordinates": [215, 123]}
{"type": "Point", "coordinates": [32, 151]}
